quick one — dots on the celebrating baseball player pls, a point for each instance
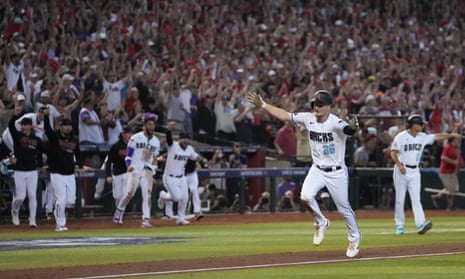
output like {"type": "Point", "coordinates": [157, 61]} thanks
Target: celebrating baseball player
{"type": "Point", "coordinates": [115, 166]}
{"type": "Point", "coordinates": [28, 153]}
{"type": "Point", "coordinates": [192, 181]}
{"type": "Point", "coordinates": [406, 150]}
{"type": "Point", "coordinates": [327, 136]}
{"type": "Point", "coordinates": [63, 156]}
{"type": "Point", "coordinates": [173, 177]}
{"type": "Point", "coordinates": [142, 150]}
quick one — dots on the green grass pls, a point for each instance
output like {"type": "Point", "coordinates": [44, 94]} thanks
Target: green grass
{"type": "Point", "coordinates": [450, 267]}
{"type": "Point", "coordinates": [234, 240]}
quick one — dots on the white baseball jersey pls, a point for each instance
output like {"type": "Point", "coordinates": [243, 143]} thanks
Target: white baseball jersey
{"type": "Point", "coordinates": [145, 150]}
{"type": "Point", "coordinates": [327, 140]}
{"type": "Point", "coordinates": [91, 133]}
{"type": "Point", "coordinates": [12, 74]}
{"type": "Point", "coordinates": [410, 148]}
{"type": "Point", "coordinates": [177, 158]}
{"type": "Point", "coordinates": [114, 94]}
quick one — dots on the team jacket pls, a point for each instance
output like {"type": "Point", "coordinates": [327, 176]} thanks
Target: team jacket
{"type": "Point", "coordinates": [27, 149]}
{"type": "Point", "coordinates": [63, 152]}
{"type": "Point", "coordinates": [115, 164]}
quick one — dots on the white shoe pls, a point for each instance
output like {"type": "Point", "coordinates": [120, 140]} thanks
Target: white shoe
{"type": "Point", "coordinates": [61, 229]}
{"type": "Point", "coordinates": [353, 249]}
{"type": "Point", "coordinates": [182, 222]}
{"type": "Point", "coordinates": [198, 216]}
{"type": "Point", "coordinates": [319, 234]}
{"type": "Point", "coordinates": [118, 216]}
{"type": "Point", "coordinates": [146, 223]}
{"type": "Point", "coordinates": [32, 223]}
{"type": "Point", "coordinates": [161, 201]}
{"type": "Point", "coordinates": [15, 218]}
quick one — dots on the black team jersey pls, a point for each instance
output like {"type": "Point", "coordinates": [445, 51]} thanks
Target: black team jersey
{"type": "Point", "coordinates": [63, 151]}
{"type": "Point", "coordinates": [28, 149]}
{"type": "Point", "coordinates": [116, 164]}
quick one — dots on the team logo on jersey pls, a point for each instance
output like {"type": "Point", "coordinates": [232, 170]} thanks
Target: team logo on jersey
{"type": "Point", "coordinates": [180, 157]}
{"type": "Point", "coordinates": [321, 137]}
{"type": "Point", "coordinates": [413, 147]}
{"type": "Point", "coordinates": [67, 146]}
{"type": "Point", "coordinates": [29, 142]}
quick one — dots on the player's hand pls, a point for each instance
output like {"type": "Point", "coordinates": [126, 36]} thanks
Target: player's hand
{"type": "Point", "coordinates": [353, 122]}
{"type": "Point", "coordinates": [254, 98]}
{"type": "Point", "coordinates": [13, 159]}
{"type": "Point", "coordinates": [109, 179]}
{"type": "Point", "coordinates": [130, 169]}
{"type": "Point", "coordinates": [402, 169]}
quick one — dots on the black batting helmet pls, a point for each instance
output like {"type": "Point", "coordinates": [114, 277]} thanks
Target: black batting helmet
{"type": "Point", "coordinates": [322, 97]}
{"type": "Point", "coordinates": [414, 119]}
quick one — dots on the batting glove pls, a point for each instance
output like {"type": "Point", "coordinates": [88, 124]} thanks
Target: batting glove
{"type": "Point", "coordinates": [353, 122]}
{"type": "Point", "coordinates": [254, 98]}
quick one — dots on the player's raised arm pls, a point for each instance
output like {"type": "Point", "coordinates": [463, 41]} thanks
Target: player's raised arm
{"type": "Point", "coordinates": [442, 136]}
{"type": "Point", "coordinates": [254, 98]}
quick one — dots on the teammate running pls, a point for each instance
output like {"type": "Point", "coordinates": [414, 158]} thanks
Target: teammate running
{"type": "Point", "coordinates": [28, 151]}
{"type": "Point", "coordinates": [406, 150]}
{"type": "Point", "coordinates": [141, 162]}
{"type": "Point", "coordinates": [173, 177]}
{"type": "Point", "coordinates": [115, 166]}
{"type": "Point", "coordinates": [327, 135]}
{"type": "Point", "coordinates": [63, 157]}
{"type": "Point", "coordinates": [192, 181]}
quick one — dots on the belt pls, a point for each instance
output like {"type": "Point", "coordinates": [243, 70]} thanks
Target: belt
{"type": "Point", "coordinates": [177, 176]}
{"type": "Point", "coordinates": [410, 166]}
{"type": "Point", "coordinates": [329, 169]}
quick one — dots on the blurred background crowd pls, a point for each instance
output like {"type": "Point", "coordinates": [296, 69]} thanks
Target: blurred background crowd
{"type": "Point", "coordinates": [192, 62]}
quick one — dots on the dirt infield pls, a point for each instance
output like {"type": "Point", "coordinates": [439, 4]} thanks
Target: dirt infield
{"type": "Point", "coordinates": [224, 262]}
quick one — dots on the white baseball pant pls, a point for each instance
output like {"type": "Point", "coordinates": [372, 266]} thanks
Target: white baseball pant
{"type": "Point", "coordinates": [178, 192]}
{"type": "Point", "coordinates": [410, 182]}
{"type": "Point", "coordinates": [337, 184]}
{"type": "Point", "coordinates": [192, 180]}
{"type": "Point", "coordinates": [25, 182]}
{"type": "Point", "coordinates": [120, 184]}
{"type": "Point", "coordinates": [64, 187]}
{"type": "Point", "coordinates": [143, 179]}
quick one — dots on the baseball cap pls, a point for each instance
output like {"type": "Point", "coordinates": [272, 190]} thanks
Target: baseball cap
{"type": "Point", "coordinates": [126, 129]}
{"type": "Point", "coordinates": [183, 136]}
{"type": "Point", "coordinates": [45, 93]}
{"type": "Point", "coordinates": [322, 97]}
{"type": "Point", "coordinates": [415, 119]}
{"type": "Point", "coordinates": [20, 97]}
{"type": "Point", "coordinates": [65, 121]}
{"type": "Point", "coordinates": [68, 77]}
{"type": "Point", "coordinates": [26, 121]}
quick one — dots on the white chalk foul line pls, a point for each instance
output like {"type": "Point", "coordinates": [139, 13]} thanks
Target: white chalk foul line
{"type": "Point", "coordinates": [267, 265]}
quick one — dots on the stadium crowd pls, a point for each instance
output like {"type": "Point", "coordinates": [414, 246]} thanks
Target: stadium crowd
{"type": "Point", "coordinates": [192, 62]}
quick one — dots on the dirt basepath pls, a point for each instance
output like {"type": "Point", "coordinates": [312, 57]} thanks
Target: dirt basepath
{"type": "Point", "coordinates": [225, 262]}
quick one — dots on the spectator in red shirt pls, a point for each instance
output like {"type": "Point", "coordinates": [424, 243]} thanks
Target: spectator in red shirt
{"type": "Point", "coordinates": [451, 162]}
{"type": "Point", "coordinates": [285, 142]}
